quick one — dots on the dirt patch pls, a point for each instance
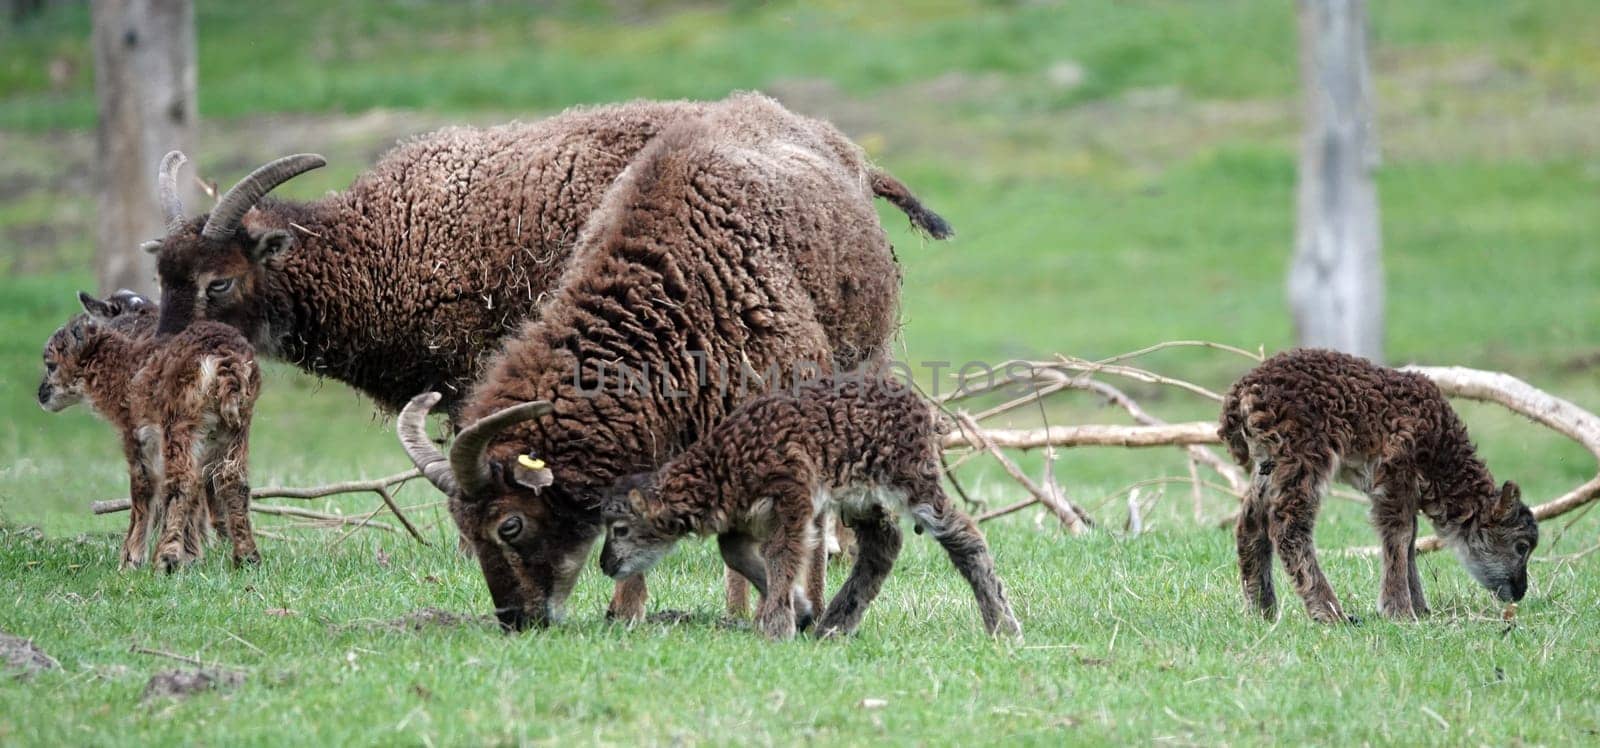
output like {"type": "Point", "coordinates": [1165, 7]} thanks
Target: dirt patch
{"type": "Point", "coordinates": [418, 620]}
{"type": "Point", "coordinates": [188, 682]}
{"type": "Point", "coordinates": [22, 658]}
{"type": "Point", "coordinates": [689, 617]}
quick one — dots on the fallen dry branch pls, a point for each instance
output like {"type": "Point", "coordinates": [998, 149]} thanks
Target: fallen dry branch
{"type": "Point", "coordinates": [1091, 435]}
{"type": "Point", "coordinates": [321, 519]}
{"type": "Point", "coordinates": [383, 487]}
{"type": "Point", "coordinates": [1076, 521]}
{"type": "Point", "coordinates": [1561, 416]}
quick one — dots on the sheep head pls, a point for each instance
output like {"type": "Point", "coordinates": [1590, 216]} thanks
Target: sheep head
{"type": "Point", "coordinates": [529, 542]}
{"type": "Point", "coordinates": [213, 266]}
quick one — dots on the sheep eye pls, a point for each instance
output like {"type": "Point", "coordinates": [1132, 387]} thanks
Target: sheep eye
{"type": "Point", "coordinates": [50, 367]}
{"type": "Point", "coordinates": [619, 531]}
{"type": "Point", "coordinates": [510, 528]}
{"type": "Point", "coordinates": [219, 286]}
{"type": "Point", "coordinates": [1523, 548]}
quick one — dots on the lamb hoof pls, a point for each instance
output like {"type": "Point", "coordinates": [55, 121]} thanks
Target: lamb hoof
{"type": "Point", "coordinates": [803, 615]}
{"type": "Point", "coordinates": [1334, 617]}
{"type": "Point", "coordinates": [168, 563]}
{"type": "Point", "coordinates": [1007, 627]}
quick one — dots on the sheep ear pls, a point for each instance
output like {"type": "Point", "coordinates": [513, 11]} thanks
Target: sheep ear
{"type": "Point", "coordinates": [532, 473]}
{"type": "Point", "coordinates": [95, 307]}
{"type": "Point", "coordinates": [1510, 497]}
{"type": "Point", "coordinates": [636, 501]}
{"type": "Point", "coordinates": [151, 247]}
{"type": "Point", "coordinates": [271, 243]}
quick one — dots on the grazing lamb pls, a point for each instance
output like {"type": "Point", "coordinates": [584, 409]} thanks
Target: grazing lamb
{"type": "Point", "coordinates": [408, 279]}
{"type": "Point", "coordinates": [1306, 416]}
{"type": "Point", "coordinates": [182, 404]}
{"type": "Point", "coordinates": [867, 447]}
{"type": "Point", "coordinates": [695, 270]}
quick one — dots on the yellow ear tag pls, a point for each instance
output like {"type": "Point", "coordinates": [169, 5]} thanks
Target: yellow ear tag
{"type": "Point", "coordinates": [530, 463]}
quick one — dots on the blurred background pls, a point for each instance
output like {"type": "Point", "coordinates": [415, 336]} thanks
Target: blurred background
{"type": "Point", "coordinates": [1119, 173]}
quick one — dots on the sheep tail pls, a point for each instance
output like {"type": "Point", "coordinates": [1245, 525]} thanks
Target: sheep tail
{"type": "Point", "coordinates": [1231, 429]}
{"type": "Point", "coordinates": [900, 196]}
{"type": "Point", "coordinates": [233, 393]}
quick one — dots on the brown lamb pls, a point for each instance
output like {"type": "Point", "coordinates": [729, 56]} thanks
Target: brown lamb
{"type": "Point", "coordinates": [1306, 416]}
{"type": "Point", "coordinates": [696, 270]}
{"type": "Point", "coordinates": [867, 447]}
{"type": "Point", "coordinates": [410, 278]}
{"type": "Point", "coordinates": [182, 405]}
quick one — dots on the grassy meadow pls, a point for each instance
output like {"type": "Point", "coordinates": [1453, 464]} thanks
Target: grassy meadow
{"type": "Point", "coordinates": [1119, 173]}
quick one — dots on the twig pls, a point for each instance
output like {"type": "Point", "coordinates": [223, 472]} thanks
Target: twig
{"type": "Point", "coordinates": [1071, 363]}
{"type": "Point", "coordinates": [383, 487]}
{"type": "Point", "coordinates": [1003, 511]}
{"type": "Point", "coordinates": [388, 500]}
{"type": "Point", "coordinates": [1069, 515]}
{"type": "Point", "coordinates": [136, 649]}
{"type": "Point", "coordinates": [320, 517]}
{"type": "Point", "coordinates": [283, 492]}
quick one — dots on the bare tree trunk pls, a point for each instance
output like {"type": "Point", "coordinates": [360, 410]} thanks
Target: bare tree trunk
{"type": "Point", "coordinates": [1336, 281]}
{"type": "Point", "coordinates": [145, 81]}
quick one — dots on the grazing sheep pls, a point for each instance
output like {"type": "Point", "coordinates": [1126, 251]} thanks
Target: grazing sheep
{"type": "Point", "coordinates": [406, 280]}
{"type": "Point", "coordinates": [1306, 416]}
{"type": "Point", "coordinates": [866, 447]}
{"type": "Point", "coordinates": [182, 405]}
{"type": "Point", "coordinates": [697, 270]}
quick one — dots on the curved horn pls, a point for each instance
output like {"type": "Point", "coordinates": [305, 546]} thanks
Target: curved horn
{"type": "Point", "coordinates": [167, 181]}
{"type": "Point", "coordinates": [243, 196]}
{"type": "Point", "coordinates": [466, 455]}
{"type": "Point", "coordinates": [414, 438]}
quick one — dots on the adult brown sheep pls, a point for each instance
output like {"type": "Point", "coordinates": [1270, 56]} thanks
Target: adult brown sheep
{"type": "Point", "coordinates": [405, 280]}
{"type": "Point", "coordinates": [707, 267]}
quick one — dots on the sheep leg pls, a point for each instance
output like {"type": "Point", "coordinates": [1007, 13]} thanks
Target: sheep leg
{"type": "Point", "coordinates": [785, 552]}
{"type": "Point", "coordinates": [877, 545]}
{"type": "Point", "coordinates": [217, 509]}
{"type": "Point", "coordinates": [141, 490]}
{"type": "Point", "coordinates": [737, 587]}
{"type": "Point", "coordinates": [964, 543]}
{"type": "Point", "coordinates": [1395, 518]}
{"type": "Point", "coordinates": [1419, 603]}
{"type": "Point", "coordinates": [1255, 551]}
{"type": "Point", "coordinates": [817, 569]}
{"type": "Point", "coordinates": [742, 554]}
{"type": "Point", "coordinates": [627, 599]}
{"type": "Point", "coordinates": [1295, 495]}
{"type": "Point", "coordinates": [182, 489]}
{"type": "Point", "coordinates": [1394, 597]}
{"type": "Point", "coordinates": [231, 488]}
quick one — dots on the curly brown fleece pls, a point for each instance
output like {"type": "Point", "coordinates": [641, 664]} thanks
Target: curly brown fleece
{"type": "Point", "coordinates": [405, 281]}
{"type": "Point", "coordinates": [757, 481]}
{"type": "Point", "coordinates": [1305, 416]}
{"type": "Point", "coordinates": [182, 405]}
{"type": "Point", "coordinates": [708, 266]}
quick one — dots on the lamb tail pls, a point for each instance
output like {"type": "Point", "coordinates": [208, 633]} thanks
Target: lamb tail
{"type": "Point", "coordinates": [895, 191]}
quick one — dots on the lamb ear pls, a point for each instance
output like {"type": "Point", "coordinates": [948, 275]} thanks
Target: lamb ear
{"type": "Point", "coordinates": [95, 307]}
{"type": "Point", "coordinates": [271, 243]}
{"type": "Point", "coordinates": [636, 501]}
{"type": "Point", "coordinates": [532, 473]}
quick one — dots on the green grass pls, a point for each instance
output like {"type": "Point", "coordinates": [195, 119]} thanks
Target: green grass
{"type": "Point", "coordinates": [1127, 641]}
{"type": "Point", "coordinates": [1151, 202]}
